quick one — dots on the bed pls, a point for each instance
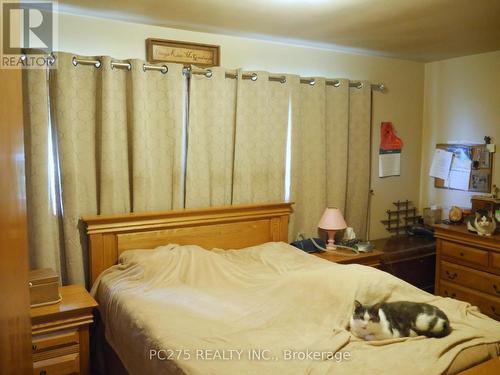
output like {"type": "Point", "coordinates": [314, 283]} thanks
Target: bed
{"type": "Point", "coordinates": [254, 304]}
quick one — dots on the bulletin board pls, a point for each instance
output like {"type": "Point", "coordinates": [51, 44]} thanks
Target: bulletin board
{"type": "Point", "coordinates": [481, 166]}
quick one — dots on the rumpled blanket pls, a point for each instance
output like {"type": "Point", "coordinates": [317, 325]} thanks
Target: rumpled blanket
{"type": "Point", "coordinates": [267, 309]}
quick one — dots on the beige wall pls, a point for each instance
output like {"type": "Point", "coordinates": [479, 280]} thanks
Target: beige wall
{"type": "Point", "coordinates": [402, 104]}
{"type": "Point", "coordinates": [461, 103]}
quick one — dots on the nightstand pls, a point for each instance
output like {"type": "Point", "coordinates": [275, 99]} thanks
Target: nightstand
{"type": "Point", "coordinates": [60, 333]}
{"type": "Point", "coordinates": [367, 259]}
{"type": "Point", "coordinates": [411, 258]}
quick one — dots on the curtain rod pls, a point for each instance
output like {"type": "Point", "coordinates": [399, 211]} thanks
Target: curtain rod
{"type": "Point", "coordinates": [208, 73]}
{"type": "Point", "coordinates": [282, 79]}
{"type": "Point", "coordinates": [118, 64]}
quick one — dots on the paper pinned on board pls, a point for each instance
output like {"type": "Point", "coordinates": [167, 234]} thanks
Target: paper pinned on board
{"type": "Point", "coordinates": [441, 164]}
{"type": "Point", "coordinates": [460, 171]}
{"type": "Point", "coordinates": [458, 179]}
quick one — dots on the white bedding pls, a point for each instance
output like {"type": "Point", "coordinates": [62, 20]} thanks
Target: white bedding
{"type": "Point", "coordinates": [216, 312]}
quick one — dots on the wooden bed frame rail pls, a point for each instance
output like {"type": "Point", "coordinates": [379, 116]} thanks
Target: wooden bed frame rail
{"type": "Point", "coordinates": [231, 227]}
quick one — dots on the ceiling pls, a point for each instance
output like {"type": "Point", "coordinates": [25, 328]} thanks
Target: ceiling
{"type": "Point", "coordinates": [420, 30]}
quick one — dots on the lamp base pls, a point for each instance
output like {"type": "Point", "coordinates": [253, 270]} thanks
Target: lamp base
{"type": "Point", "coordinates": [330, 245]}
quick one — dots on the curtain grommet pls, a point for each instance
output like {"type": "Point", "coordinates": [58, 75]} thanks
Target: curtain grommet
{"type": "Point", "coordinates": [312, 82]}
{"type": "Point", "coordinates": [73, 61]}
{"type": "Point", "coordinates": [164, 69]}
{"type": "Point", "coordinates": [98, 64]}
{"type": "Point", "coordinates": [254, 77]}
{"type": "Point", "coordinates": [336, 83]}
{"type": "Point", "coordinates": [51, 59]}
{"type": "Point", "coordinates": [359, 85]}
{"type": "Point", "coordinates": [283, 79]}
{"type": "Point", "coordinates": [208, 73]}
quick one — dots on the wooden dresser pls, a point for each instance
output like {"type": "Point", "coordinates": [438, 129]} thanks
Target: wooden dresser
{"type": "Point", "coordinates": [61, 333]}
{"type": "Point", "coordinates": [468, 267]}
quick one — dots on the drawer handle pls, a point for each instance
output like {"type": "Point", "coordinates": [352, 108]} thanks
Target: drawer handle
{"type": "Point", "coordinates": [34, 347]}
{"type": "Point", "coordinates": [497, 290]}
{"type": "Point", "coordinates": [494, 312]}
{"type": "Point", "coordinates": [452, 295]}
{"type": "Point", "coordinates": [451, 276]}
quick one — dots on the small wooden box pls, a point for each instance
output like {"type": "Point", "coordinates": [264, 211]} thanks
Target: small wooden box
{"type": "Point", "coordinates": [485, 203]}
{"type": "Point", "coordinates": [44, 287]}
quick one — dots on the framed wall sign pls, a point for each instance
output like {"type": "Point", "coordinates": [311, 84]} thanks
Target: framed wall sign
{"type": "Point", "coordinates": [161, 50]}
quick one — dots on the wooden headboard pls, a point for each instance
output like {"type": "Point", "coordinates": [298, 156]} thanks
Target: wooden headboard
{"type": "Point", "coordinates": [231, 227]}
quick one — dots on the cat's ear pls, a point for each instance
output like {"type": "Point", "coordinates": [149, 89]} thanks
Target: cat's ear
{"type": "Point", "coordinates": [357, 304]}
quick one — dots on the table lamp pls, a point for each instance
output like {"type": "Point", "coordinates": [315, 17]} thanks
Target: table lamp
{"type": "Point", "coordinates": [332, 221]}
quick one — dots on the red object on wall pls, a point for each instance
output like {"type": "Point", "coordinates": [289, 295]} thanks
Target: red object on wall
{"type": "Point", "coordinates": [388, 139]}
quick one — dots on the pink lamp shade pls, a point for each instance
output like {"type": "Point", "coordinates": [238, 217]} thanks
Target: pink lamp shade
{"type": "Point", "coordinates": [331, 221]}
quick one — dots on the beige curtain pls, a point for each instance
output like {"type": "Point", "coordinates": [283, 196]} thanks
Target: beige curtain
{"type": "Point", "coordinates": [309, 183]}
{"type": "Point", "coordinates": [41, 183]}
{"type": "Point", "coordinates": [358, 166]}
{"type": "Point", "coordinates": [260, 141]}
{"type": "Point", "coordinates": [337, 125]}
{"type": "Point", "coordinates": [157, 131]}
{"type": "Point", "coordinates": [210, 150]}
{"type": "Point", "coordinates": [330, 154]}
{"type": "Point", "coordinates": [119, 140]}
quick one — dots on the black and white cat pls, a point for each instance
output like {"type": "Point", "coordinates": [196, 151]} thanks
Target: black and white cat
{"type": "Point", "coordinates": [398, 319]}
{"type": "Point", "coordinates": [483, 222]}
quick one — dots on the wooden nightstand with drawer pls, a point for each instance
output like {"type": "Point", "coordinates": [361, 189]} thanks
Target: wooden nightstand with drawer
{"type": "Point", "coordinates": [468, 267]}
{"type": "Point", "coordinates": [371, 258]}
{"type": "Point", "coordinates": [60, 333]}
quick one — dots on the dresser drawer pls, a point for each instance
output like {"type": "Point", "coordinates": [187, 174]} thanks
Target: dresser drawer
{"type": "Point", "coordinates": [488, 305]}
{"type": "Point", "coordinates": [63, 365]}
{"type": "Point", "coordinates": [55, 344]}
{"type": "Point", "coordinates": [464, 253]}
{"type": "Point", "coordinates": [495, 262]}
{"type": "Point", "coordinates": [482, 281]}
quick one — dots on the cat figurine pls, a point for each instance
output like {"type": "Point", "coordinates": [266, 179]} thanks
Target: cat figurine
{"type": "Point", "coordinates": [398, 319]}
